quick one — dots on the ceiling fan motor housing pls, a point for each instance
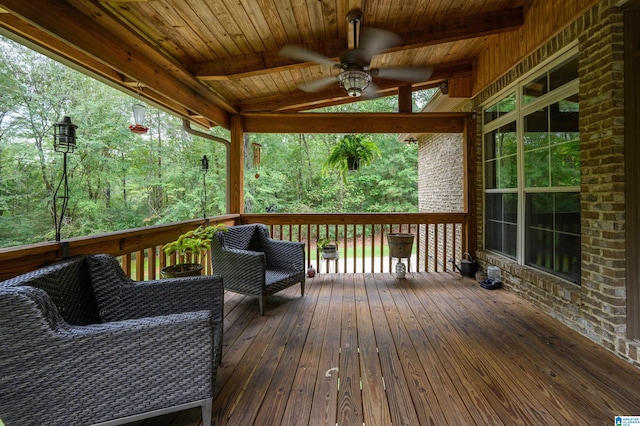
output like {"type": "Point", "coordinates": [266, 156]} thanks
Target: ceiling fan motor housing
{"type": "Point", "coordinates": [354, 81]}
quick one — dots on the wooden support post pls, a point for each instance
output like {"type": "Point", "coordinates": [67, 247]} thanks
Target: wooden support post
{"type": "Point", "coordinates": [405, 101]}
{"type": "Point", "coordinates": [236, 171]}
{"type": "Point", "coordinates": [470, 168]}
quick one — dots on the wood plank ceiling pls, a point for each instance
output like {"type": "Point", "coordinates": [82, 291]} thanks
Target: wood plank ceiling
{"type": "Point", "coordinates": [207, 59]}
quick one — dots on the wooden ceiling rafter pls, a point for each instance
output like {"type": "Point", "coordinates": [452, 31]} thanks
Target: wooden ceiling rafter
{"type": "Point", "coordinates": [460, 28]}
{"type": "Point", "coordinates": [300, 101]}
{"type": "Point", "coordinates": [161, 45]}
{"type": "Point", "coordinates": [130, 56]}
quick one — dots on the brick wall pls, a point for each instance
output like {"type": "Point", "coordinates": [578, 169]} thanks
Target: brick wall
{"type": "Point", "coordinates": [441, 191]}
{"type": "Point", "coordinates": [439, 183]}
{"type": "Point", "coordinates": [596, 308]}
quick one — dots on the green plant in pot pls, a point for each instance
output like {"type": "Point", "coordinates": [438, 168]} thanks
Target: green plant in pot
{"type": "Point", "coordinates": [191, 248]}
{"type": "Point", "coordinates": [328, 247]}
{"type": "Point", "coordinates": [351, 152]}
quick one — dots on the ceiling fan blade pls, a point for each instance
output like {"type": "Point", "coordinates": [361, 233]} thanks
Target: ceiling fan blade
{"type": "Point", "coordinates": [371, 92]}
{"type": "Point", "coordinates": [316, 85]}
{"type": "Point", "coordinates": [304, 55]}
{"type": "Point", "coordinates": [374, 41]}
{"type": "Point", "coordinates": [404, 74]}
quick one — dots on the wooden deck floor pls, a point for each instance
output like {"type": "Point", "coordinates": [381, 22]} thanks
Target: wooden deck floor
{"type": "Point", "coordinates": [433, 349]}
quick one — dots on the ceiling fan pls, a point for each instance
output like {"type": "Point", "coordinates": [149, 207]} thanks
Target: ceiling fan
{"type": "Point", "coordinates": [356, 73]}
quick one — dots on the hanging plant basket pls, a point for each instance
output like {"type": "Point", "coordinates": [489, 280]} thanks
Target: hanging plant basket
{"type": "Point", "coordinates": [351, 152]}
{"type": "Point", "coordinates": [353, 163]}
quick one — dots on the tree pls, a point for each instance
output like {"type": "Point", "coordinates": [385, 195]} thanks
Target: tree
{"type": "Point", "coordinates": [120, 180]}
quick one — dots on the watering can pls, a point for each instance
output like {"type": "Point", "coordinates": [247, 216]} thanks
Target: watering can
{"type": "Point", "coordinates": [468, 267]}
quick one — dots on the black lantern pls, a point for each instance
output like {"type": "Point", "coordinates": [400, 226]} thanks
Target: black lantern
{"type": "Point", "coordinates": [64, 141]}
{"type": "Point", "coordinates": [204, 164]}
{"type": "Point", "coordinates": [64, 136]}
{"type": "Point", "coordinates": [204, 168]}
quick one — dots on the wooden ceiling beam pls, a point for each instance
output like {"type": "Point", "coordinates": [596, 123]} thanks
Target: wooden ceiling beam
{"type": "Point", "coordinates": [252, 64]}
{"type": "Point", "coordinates": [23, 32]}
{"type": "Point", "coordinates": [86, 41]}
{"type": "Point", "coordinates": [454, 29]}
{"type": "Point", "coordinates": [355, 123]}
{"type": "Point", "coordinates": [333, 95]}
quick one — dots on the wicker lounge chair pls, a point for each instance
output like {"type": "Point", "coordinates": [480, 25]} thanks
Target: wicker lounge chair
{"type": "Point", "coordinates": [83, 344]}
{"type": "Point", "coordinates": [252, 263]}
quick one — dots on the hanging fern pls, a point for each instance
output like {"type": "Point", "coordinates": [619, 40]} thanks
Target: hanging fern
{"type": "Point", "coordinates": [351, 152]}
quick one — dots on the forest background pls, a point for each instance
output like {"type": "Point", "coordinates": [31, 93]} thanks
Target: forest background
{"type": "Point", "coordinates": [120, 180]}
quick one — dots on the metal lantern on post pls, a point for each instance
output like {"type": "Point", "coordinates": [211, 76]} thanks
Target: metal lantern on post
{"type": "Point", "coordinates": [64, 136]}
{"type": "Point", "coordinates": [204, 168]}
{"type": "Point", "coordinates": [64, 141]}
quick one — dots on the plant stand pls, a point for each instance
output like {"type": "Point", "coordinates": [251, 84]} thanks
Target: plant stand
{"type": "Point", "coordinates": [327, 261]}
{"type": "Point", "coordinates": [407, 269]}
{"type": "Point", "coordinates": [400, 247]}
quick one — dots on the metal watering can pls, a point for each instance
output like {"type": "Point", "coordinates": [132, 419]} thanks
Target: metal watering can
{"type": "Point", "coordinates": [468, 267]}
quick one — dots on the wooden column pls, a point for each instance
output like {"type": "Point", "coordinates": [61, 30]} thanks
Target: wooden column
{"type": "Point", "coordinates": [632, 164]}
{"type": "Point", "coordinates": [405, 103]}
{"type": "Point", "coordinates": [470, 167]}
{"type": "Point", "coordinates": [235, 174]}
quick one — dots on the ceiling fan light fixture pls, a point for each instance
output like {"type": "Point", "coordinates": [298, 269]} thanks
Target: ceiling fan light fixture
{"type": "Point", "coordinates": [354, 82]}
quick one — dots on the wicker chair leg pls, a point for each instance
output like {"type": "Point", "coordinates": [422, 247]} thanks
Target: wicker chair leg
{"type": "Point", "coordinates": [207, 405]}
{"type": "Point", "coordinates": [218, 338]}
{"type": "Point", "coordinates": [263, 301]}
{"type": "Point", "coordinates": [302, 286]}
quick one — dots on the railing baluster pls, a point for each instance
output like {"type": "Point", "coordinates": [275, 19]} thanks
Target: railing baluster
{"type": "Point", "coordinates": [382, 246]}
{"type": "Point", "coordinates": [438, 237]}
{"type": "Point", "coordinates": [151, 263]}
{"type": "Point", "coordinates": [436, 246]}
{"type": "Point", "coordinates": [140, 265]}
{"type": "Point", "coordinates": [126, 263]}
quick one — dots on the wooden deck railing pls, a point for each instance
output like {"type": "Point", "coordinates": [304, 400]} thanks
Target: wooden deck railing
{"type": "Point", "coordinates": [361, 239]}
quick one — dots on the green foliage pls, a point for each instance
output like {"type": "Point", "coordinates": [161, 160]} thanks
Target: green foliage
{"type": "Point", "coordinates": [351, 152]}
{"type": "Point", "coordinates": [324, 242]}
{"type": "Point", "coordinates": [196, 243]}
{"type": "Point", "coordinates": [121, 180]}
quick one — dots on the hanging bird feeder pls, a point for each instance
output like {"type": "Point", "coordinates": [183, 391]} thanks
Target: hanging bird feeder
{"type": "Point", "coordinates": [139, 112]}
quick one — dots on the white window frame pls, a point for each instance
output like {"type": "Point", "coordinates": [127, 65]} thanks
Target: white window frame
{"type": "Point", "coordinates": [568, 89]}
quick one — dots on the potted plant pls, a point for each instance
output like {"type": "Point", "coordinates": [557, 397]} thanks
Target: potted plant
{"type": "Point", "coordinates": [351, 152]}
{"type": "Point", "coordinates": [191, 248]}
{"type": "Point", "coordinates": [328, 248]}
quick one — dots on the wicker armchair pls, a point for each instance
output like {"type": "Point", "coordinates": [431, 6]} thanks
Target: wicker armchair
{"type": "Point", "coordinates": [83, 344]}
{"type": "Point", "coordinates": [252, 263]}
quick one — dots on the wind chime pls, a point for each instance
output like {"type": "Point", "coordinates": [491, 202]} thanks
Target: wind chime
{"type": "Point", "coordinates": [256, 157]}
{"type": "Point", "coordinates": [139, 112]}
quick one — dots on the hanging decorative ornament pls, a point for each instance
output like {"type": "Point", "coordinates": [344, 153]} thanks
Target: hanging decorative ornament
{"type": "Point", "coordinates": [139, 111]}
{"type": "Point", "coordinates": [256, 155]}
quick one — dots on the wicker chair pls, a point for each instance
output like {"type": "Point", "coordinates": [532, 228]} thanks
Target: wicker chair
{"type": "Point", "coordinates": [252, 263]}
{"type": "Point", "coordinates": [83, 344]}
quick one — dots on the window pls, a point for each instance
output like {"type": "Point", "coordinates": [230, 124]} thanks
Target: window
{"type": "Point", "coordinates": [500, 108]}
{"type": "Point", "coordinates": [532, 171]}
